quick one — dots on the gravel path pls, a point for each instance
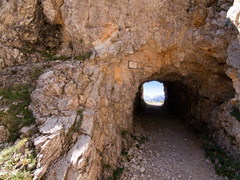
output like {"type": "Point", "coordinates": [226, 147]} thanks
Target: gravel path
{"type": "Point", "coordinates": [171, 152]}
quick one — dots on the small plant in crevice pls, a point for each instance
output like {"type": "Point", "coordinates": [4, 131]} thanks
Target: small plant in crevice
{"type": "Point", "coordinates": [106, 168]}
{"type": "Point", "coordinates": [117, 173]}
{"type": "Point", "coordinates": [79, 120]}
{"type": "Point", "coordinates": [51, 55]}
{"type": "Point", "coordinates": [15, 113]}
{"type": "Point", "coordinates": [70, 45]}
{"type": "Point", "coordinates": [81, 45]}
{"type": "Point", "coordinates": [140, 139]}
{"type": "Point", "coordinates": [36, 73]}
{"type": "Point", "coordinates": [224, 164]}
{"type": "Point", "coordinates": [84, 56]}
{"type": "Point", "coordinates": [235, 113]}
{"type": "Point", "coordinates": [227, 23]}
{"type": "Point", "coordinates": [81, 57]}
{"type": "Point", "coordinates": [48, 54]}
{"type": "Point", "coordinates": [231, 139]}
{"type": "Point", "coordinates": [63, 58]}
{"type": "Point", "coordinates": [125, 154]}
{"type": "Point", "coordinates": [124, 134]}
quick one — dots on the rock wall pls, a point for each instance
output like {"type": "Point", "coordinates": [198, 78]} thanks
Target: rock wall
{"type": "Point", "coordinates": [61, 105]}
{"type": "Point", "coordinates": [228, 134]}
{"type": "Point", "coordinates": [24, 29]}
{"type": "Point", "coordinates": [75, 105]}
{"type": "Point", "coordinates": [81, 108]}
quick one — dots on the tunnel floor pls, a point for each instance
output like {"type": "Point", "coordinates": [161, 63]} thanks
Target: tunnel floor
{"type": "Point", "coordinates": [171, 151]}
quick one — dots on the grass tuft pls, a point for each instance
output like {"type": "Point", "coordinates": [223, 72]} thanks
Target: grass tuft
{"type": "Point", "coordinates": [79, 121]}
{"type": "Point", "coordinates": [16, 114]}
{"type": "Point", "coordinates": [17, 161]}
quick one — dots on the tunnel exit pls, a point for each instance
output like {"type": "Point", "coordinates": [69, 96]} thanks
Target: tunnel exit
{"type": "Point", "coordinates": [153, 93]}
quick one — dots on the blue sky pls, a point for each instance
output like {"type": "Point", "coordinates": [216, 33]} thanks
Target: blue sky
{"type": "Point", "coordinates": [153, 88]}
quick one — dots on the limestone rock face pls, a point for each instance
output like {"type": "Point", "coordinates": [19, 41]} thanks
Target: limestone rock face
{"type": "Point", "coordinates": [233, 50]}
{"type": "Point", "coordinates": [230, 124]}
{"type": "Point", "coordinates": [82, 107]}
{"type": "Point", "coordinates": [234, 14]}
{"type": "Point", "coordinates": [65, 108]}
{"type": "Point", "coordinates": [24, 29]}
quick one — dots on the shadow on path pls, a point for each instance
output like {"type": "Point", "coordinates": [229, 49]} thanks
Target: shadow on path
{"type": "Point", "coordinates": [176, 152]}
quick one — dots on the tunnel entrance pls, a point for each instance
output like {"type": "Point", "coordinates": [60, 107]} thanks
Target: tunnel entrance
{"type": "Point", "coordinates": [192, 97]}
{"type": "Point", "coordinates": [172, 95]}
{"type": "Point", "coordinates": [153, 93]}
{"type": "Point", "coordinates": [172, 149]}
{"type": "Point", "coordinates": [189, 101]}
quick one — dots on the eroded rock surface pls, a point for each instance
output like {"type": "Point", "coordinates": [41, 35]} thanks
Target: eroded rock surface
{"type": "Point", "coordinates": [24, 30]}
{"type": "Point", "coordinates": [81, 108]}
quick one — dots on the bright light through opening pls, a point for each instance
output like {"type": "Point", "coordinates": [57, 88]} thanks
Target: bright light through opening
{"type": "Point", "coordinates": [153, 93]}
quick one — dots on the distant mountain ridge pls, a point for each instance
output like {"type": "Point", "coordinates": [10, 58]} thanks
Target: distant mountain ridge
{"type": "Point", "coordinates": [157, 98]}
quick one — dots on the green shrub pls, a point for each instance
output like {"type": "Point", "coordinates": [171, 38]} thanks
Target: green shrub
{"type": "Point", "coordinates": [83, 56]}
{"type": "Point", "coordinates": [235, 112]}
{"type": "Point", "coordinates": [224, 164]}
{"type": "Point", "coordinates": [140, 139]}
{"type": "Point", "coordinates": [117, 173]}
{"type": "Point", "coordinates": [124, 152]}
{"type": "Point", "coordinates": [16, 114]}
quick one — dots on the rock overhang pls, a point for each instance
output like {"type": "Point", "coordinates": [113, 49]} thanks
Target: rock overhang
{"type": "Point", "coordinates": [184, 44]}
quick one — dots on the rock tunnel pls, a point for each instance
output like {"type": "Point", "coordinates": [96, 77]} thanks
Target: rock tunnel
{"type": "Point", "coordinates": [108, 89]}
{"type": "Point", "coordinates": [192, 47]}
{"type": "Point", "coordinates": [194, 96]}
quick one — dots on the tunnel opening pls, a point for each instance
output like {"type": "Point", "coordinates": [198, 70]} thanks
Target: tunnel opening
{"type": "Point", "coordinates": [176, 97]}
{"type": "Point", "coordinates": [153, 93]}
{"type": "Point", "coordinates": [192, 97]}
{"type": "Point", "coordinates": [189, 104]}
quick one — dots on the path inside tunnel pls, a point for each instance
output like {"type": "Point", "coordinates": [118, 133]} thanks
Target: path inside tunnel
{"type": "Point", "coordinates": [171, 151]}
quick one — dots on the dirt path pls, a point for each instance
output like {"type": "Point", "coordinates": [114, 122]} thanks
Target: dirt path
{"type": "Point", "coordinates": [171, 152]}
